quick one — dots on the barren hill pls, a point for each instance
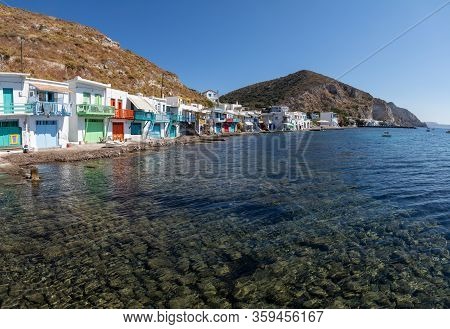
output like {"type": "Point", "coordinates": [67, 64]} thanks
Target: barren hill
{"type": "Point", "coordinates": [59, 50]}
{"type": "Point", "coordinates": [312, 92]}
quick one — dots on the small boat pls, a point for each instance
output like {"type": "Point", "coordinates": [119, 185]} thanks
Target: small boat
{"type": "Point", "coordinates": [428, 130]}
{"type": "Point", "coordinates": [448, 131]}
{"type": "Point", "coordinates": [386, 134]}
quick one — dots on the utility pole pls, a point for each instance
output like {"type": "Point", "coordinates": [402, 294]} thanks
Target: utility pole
{"type": "Point", "coordinates": [21, 54]}
{"type": "Point", "coordinates": [162, 84]}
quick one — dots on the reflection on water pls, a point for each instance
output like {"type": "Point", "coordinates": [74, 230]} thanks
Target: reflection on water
{"type": "Point", "coordinates": [367, 227]}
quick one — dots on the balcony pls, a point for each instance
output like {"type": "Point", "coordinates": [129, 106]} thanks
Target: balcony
{"type": "Point", "coordinates": [164, 117]}
{"type": "Point", "coordinates": [124, 114]}
{"type": "Point", "coordinates": [49, 109]}
{"type": "Point", "coordinates": [144, 116]}
{"type": "Point", "coordinates": [95, 110]}
{"type": "Point", "coordinates": [188, 118]}
{"type": "Point", "coordinates": [11, 109]}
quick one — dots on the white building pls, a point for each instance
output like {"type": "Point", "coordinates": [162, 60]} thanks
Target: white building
{"type": "Point", "coordinates": [33, 112]}
{"type": "Point", "coordinates": [91, 111]}
{"type": "Point", "coordinates": [212, 95]}
{"type": "Point", "coordinates": [329, 119]}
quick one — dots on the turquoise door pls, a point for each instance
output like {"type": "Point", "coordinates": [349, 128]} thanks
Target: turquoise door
{"type": "Point", "coordinates": [173, 131]}
{"type": "Point", "coordinates": [156, 131]}
{"type": "Point", "coordinates": [8, 100]}
{"type": "Point", "coordinates": [10, 134]}
{"type": "Point", "coordinates": [46, 134]}
{"type": "Point", "coordinates": [136, 128]}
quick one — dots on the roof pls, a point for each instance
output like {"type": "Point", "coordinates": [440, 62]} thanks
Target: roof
{"type": "Point", "coordinates": [15, 74]}
{"type": "Point", "coordinates": [141, 103]}
{"type": "Point", "coordinates": [49, 87]}
{"type": "Point", "coordinates": [90, 82]}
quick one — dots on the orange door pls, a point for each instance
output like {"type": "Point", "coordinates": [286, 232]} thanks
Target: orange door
{"type": "Point", "coordinates": [118, 131]}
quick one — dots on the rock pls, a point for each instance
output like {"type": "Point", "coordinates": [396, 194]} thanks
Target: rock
{"type": "Point", "coordinates": [36, 298]}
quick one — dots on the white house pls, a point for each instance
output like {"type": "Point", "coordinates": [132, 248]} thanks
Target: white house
{"type": "Point", "coordinates": [91, 111]}
{"type": "Point", "coordinates": [212, 95]}
{"type": "Point", "coordinates": [120, 127]}
{"type": "Point", "coordinates": [329, 119]}
{"type": "Point", "coordinates": [33, 112]}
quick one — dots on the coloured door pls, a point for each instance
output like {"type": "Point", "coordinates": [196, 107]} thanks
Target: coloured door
{"type": "Point", "coordinates": [118, 131]}
{"type": "Point", "coordinates": [86, 98]}
{"type": "Point", "coordinates": [98, 99]}
{"type": "Point", "coordinates": [156, 131]}
{"type": "Point", "coordinates": [173, 131]}
{"type": "Point", "coordinates": [94, 131]}
{"type": "Point", "coordinates": [136, 128]}
{"type": "Point", "coordinates": [46, 134]}
{"type": "Point", "coordinates": [8, 100]}
{"type": "Point", "coordinates": [10, 134]}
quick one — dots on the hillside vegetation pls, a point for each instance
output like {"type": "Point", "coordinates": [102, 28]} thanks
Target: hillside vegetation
{"type": "Point", "coordinates": [59, 50]}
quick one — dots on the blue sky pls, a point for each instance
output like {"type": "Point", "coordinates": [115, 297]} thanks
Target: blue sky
{"type": "Point", "coordinates": [229, 44]}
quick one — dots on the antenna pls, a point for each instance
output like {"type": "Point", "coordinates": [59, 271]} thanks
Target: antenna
{"type": "Point", "coordinates": [21, 54]}
{"type": "Point", "coordinates": [162, 84]}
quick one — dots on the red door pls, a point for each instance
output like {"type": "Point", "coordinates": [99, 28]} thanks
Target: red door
{"type": "Point", "coordinates": [113, 102]}
{"type": "Point", "coordinates": [118, 131]}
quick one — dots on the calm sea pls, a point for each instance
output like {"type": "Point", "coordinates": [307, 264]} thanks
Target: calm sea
{"type": "Point", "coordinates": [306, 219]}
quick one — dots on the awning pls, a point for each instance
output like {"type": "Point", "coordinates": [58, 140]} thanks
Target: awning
{"type": "Point", "coordinates": [51, 88]}
{"type": "Point", "coordinates": [289, 124]}
{"type": "Point", "coordinates": [141, 104]}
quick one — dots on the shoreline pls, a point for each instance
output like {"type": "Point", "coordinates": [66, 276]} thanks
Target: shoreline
{"type": "Point", "coordinates": [17, 163]}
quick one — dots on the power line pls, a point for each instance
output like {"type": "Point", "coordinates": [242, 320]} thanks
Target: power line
{"type": "Point", "coordinates": [394, 40]}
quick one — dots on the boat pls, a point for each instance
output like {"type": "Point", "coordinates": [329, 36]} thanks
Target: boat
{"type": "Point", "coordinates": [386, 134]}
{"type": "Point", "coordinates": [448, 131]}
{"type": "Point", "coordinates": [428, 129]}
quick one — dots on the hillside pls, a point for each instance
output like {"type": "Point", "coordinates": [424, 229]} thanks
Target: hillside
{"type": "Point", "coordinates": [59, 50]}
{"type": "Point", "coordinates": [312, 92]}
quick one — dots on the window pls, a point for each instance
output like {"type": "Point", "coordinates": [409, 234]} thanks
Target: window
{"type": "Point", "coordinates": [113, 102]}
{"type": "Point", "coordinates": [119, 104]}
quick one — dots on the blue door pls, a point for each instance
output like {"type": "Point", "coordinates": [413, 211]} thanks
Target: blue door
{"type": "Point", "coordinates": [8, 100]}
{"type": "Point", "coordinates": [46, 134]}
{"type": "Point", "coordinates": [156, 131]}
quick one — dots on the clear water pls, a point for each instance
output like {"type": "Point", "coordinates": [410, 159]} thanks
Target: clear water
{"type": "Point", "coordinates": [314, 219]}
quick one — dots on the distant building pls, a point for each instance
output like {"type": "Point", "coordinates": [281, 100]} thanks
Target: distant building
{"type": "Point", "coordinates": [329, 119]}
{"type": "Point", "coordinates": [212, 95]}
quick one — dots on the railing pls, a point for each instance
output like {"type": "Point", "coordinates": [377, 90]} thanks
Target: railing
{"type": "Point", "coordinates": [124, 114]}
{"type": "Point", "coordinates": [15, 109]}
{"type": "Point", "coordinates": [159, 117]}
{"type": "Point", "coordinates": [183, 118]}
{"type": "Point", "coordinates": [50, 108]}
{"type": "Point", "coordinates": [95, 110]}
{"type": "Point", "coordinates": [144, 116]}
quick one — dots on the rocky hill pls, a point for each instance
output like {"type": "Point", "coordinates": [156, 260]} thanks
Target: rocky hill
{"type": "Point", "coordinates": [312, 92]}
{"type": "Point", "coordinates": [59, 50]}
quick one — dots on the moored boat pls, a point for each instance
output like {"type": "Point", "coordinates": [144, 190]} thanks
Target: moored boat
{"type": "Point", "coordinates": [386, 134]}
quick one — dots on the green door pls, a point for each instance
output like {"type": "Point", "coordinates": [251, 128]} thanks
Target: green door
{"type": "Point", "coordinates": [86, 98]}
{"type": "Point", "coordinates": [98, 99]}
{"type": "Point", "coordinates": [8, 100]}
{"type": "Point", "coordinates": [94, 131]}
{"type": "Point", "coordinates": [10, 134]}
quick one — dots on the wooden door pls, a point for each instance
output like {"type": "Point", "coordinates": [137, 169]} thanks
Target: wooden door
{"type": "Point", "coordinates": [118, 131]}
